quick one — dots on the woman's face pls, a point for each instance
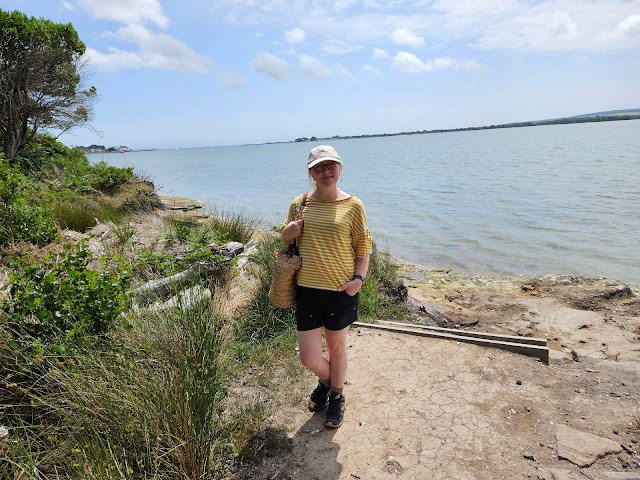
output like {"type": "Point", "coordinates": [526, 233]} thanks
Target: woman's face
{"type": "Point", "coordinates": [323, 174]}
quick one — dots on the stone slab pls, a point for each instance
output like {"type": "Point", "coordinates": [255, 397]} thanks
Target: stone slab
{"type": "Point", "coordinates": [582, 448]}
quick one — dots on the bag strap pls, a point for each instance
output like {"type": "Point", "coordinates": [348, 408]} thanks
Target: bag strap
{"type": "Point", "coordinates": [293, 246]}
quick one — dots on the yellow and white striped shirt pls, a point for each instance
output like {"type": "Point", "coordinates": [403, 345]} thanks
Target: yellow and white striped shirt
{"type": "Point", "coordinates": [334, 234]}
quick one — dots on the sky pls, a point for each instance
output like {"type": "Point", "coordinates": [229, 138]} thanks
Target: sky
{"type": "Point", "coordinates": [195, 73]}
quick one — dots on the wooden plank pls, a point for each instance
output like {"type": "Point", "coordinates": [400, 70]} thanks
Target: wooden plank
{"type": "Point", "coordinates": [524, 349]}
{"type": "Point", "coordinates": [489, 336]}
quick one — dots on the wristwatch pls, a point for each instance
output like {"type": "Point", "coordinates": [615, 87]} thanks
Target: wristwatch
{"type": "Point", "coordinates": [358, 276]}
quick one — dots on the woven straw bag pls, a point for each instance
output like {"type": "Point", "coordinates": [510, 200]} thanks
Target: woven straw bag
{"type": "Point", "coordinates": [286, 263]}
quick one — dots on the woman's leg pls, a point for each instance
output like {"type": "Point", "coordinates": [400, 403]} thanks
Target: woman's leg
{"type": "Point", "coordinates": [310, 346]}
{"type": "Point", "coordinates": [337, 350]}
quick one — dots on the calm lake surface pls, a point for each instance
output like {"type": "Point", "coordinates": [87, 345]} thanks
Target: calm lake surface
{"type": "Point", "coordinates": [548, 199]}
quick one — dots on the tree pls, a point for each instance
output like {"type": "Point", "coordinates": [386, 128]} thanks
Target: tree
{"type": "Point", "coordinates": [41, 79]}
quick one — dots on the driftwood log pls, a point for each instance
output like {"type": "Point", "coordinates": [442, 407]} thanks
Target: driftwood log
{"type": "Point", "coordinates": [167, 285]}
{"type": "Point", "coordinates": [185, 299]}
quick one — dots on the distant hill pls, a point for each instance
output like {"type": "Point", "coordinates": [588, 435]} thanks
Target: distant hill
{"type": "Point", "coordinates": [630, 111]}
{"type": "Point", "coordinates": [608, 116]}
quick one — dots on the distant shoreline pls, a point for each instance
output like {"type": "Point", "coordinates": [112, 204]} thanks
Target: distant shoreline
{"type": "Point", "coordinates": [535, 123]}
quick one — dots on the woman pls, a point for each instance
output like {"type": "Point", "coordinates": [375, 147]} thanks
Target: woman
{"type": "Point", "coordinates": [335, 245]}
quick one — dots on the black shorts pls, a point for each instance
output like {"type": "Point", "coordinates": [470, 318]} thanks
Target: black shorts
{"type": "Point", "coordinates": [325, 308]}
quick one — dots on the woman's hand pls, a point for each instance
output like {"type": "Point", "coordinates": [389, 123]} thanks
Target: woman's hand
{"type": "Point", "coordinates": [292, 231]}
{"type": "Point", "coordinates": [351, 287]}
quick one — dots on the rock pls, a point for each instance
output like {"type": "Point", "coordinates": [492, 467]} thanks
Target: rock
{"type": "Point", "coordinates": [622, 476]}
{"type": "Point", "coordinates": [584, 293]}
{"type": "Point", "coordinates": [72, 235]}
{"type": "Point", "coordinates": [583, 448]}
{"type": "Point", "coordinates": [557, 474]}
{"type": "Point", "coordinates": [4, 434]}
{"type": "Point", "coordinates": [231, 249]}
{"type": "Point", "coordinates": [392, 466]}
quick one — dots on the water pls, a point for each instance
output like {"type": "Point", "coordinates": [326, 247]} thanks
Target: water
{"type": "Point", "coordinates": [549, 199]}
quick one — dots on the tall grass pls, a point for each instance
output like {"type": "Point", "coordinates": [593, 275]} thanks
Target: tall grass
{"type": "Point", "coordinates": [123, 232]}
{"type": "Point", "coordinates": [156, 401]}
{"type": "Point", "coordinates": [382, 277]}
{"type": "Point", "coordinates": [81, 213]}
{"type": "Point", "coordinates": [235, 226]}
{"type": "Point", "coordinates": [220, 228]}
{"type": "Point", "coordinates": [150, 403]}
{"type": "Point", "coordinates": [263, 320]}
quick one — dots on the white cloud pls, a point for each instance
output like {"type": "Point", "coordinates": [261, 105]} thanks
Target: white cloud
{"type": "Point", "coordinates": [270, 65]}
{"type": "Point", "coordinates": [339, 47]}
{"type": "Point", "coordinates": [562, 26]}
{"type": "Point", "coordinates": [67, 6]}
{"type": "Point", "coordinates": [312, 67]}
{"type": "Point", "coordinates": [231, 80]}
{"type": "Point", "coordinates": [342, 70]}
{"type": "Point", "coordinates": [126, 11]}
{"type": "Point", "coordinates": [372, 70]}
{"type": "Point", "coordinates": [626, 29]}
{"type": "Point", "coordinates": [402, 36]}
{"type": "Point", "coordinates": [157, 50]}
{"type": "Point", "coordinates": [115, 59]}
{"type": "Point", "coordinates": [576, 25]}
{"type": "Point", "coordinates": [259, 34]}
{"type": "Point", "coordinates": [295, 36]}
{"type": "Point", "coordinates": [409, 63]}
{"type": "Point", "coordinates": [380, 54]}
{"type": "Point", "coordinates": [541, 25]}
{"type": "Point", "coordinates": [340, 5]}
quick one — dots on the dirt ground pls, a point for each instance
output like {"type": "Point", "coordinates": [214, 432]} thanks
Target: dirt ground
{"type": "Point", "coordinates": [425, 408]}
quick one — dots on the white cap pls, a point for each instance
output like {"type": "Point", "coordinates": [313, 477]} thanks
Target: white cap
{"type": "Point", "coordinates": [321, 153]}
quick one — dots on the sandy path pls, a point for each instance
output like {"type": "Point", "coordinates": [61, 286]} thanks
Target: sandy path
{"type": "Point", "coordinates": [422, 408]}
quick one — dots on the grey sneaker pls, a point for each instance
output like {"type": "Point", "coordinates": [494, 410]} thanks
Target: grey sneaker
{"type": "Point", "coordinates": [318, 399]}
{"type": "Point", "coordinates": [335, 412]}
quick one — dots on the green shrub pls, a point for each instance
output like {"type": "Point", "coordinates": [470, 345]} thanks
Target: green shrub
{"type": "Point", "coordinates": [104, 176]}
{"type": "Point", "coordinates": [64, 297]}
{"type": "Point", "coordinates": [19, 221]}
{"type": "Point", "coordinates": [12, 185]}
{"type": "Point", "coordinates": [49, 161]}
{"type": "Point", "coordinates": [34, 225]}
